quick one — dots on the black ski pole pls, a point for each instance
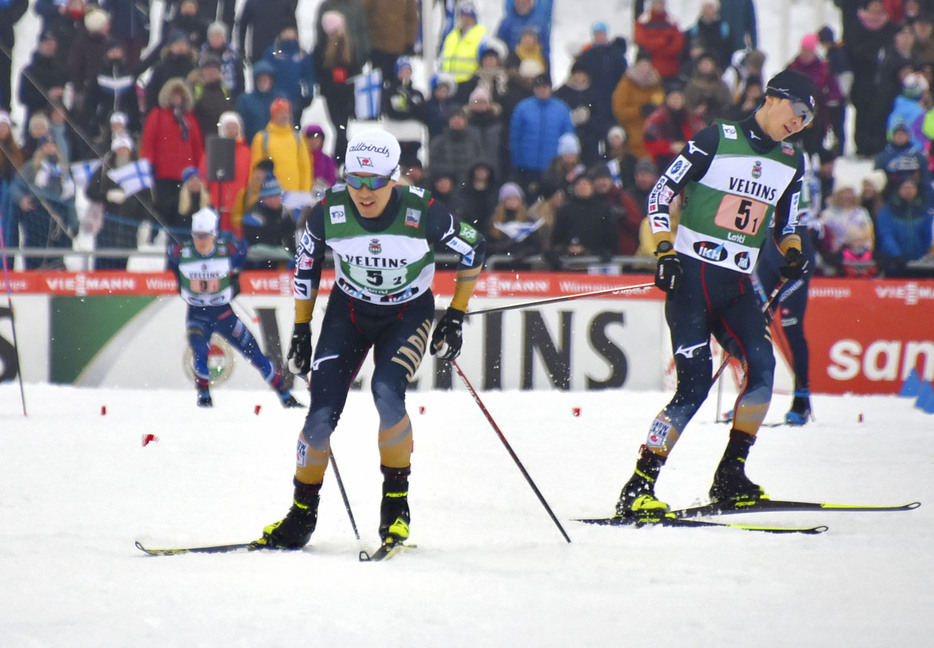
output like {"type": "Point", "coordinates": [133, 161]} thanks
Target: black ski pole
{"type": "Point", "coordinates": [340, 486]}
{"type": "Point", "coordinates": [555, 300]}
{"type": "Point", "coordinates": [509, 449]}
{"type": "Point", "coordinates": [9, 300]}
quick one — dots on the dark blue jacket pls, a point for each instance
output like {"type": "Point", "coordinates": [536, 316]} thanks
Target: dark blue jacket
{"type": "Point", "coordinates": [904, 229]}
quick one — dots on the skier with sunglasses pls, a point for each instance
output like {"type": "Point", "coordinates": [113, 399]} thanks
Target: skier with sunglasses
{"type": "Point", "coordinates": [382, 235]}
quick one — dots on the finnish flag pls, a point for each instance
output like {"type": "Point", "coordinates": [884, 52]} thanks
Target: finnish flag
{"type": "Point", "coordinates": [133, 177]}
{"type": "Point", "coordinates": [81, 172]}
{"type": "Point", "coordinates": [367, 90]}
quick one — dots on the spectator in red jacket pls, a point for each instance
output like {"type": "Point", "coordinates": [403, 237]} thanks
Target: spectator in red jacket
{"type": "Point", "coordinates": [171, 141]}
{"type": "Point", "coordinates": [658, 35]}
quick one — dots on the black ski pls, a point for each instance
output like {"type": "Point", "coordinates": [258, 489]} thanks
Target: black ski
{"type": "Point", "coordinates": [386, 551]}
{"type": "Point", "coordinates": [668, 521]}
{"type": "Point", "coordinates": [212, 549]}
{"type": "Point", "coordinates": [751, 506]}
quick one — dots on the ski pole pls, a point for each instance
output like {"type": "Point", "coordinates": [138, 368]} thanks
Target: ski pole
{"type": "Point", "coordinates": [509, 449]}
{"type": "Point", "coordinates": [9, 301]}
{"type": "Point", "coordinates": [555, 300]}
{"type": "Point", "coordinates": [340, 486]}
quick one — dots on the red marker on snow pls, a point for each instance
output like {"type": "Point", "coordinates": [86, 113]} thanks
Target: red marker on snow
{"type": "Point", "coordinates": [576, 411]}
{"type": "Point", "coordinates": [147, 438]}
{"type": "Point", "coordinates": [103, 410]}
{"type": "Point", "coordinates": [256, 410]}
{"type": "Point", "coordinates": [421, 409]}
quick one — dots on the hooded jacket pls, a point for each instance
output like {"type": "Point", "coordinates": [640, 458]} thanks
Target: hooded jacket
{"type": "Point", "coordinates": [254, 106]}
{"type": "Point", "coordinates": [165, 143]}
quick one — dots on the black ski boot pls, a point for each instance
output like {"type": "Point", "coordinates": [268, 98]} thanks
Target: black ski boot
{"type": "Point", "coordinates": [637, 499]}
{"type": "Point", "coordinates": [800, 412]}
{"type": "Point", "coordinates": [394, 509]}
{"type": "Point", "coordinates": [730, 482]}
{"type": "Point", "coordinates": [294, 531]}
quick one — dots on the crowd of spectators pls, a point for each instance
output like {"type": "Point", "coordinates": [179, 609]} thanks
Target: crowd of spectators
{"type": "Point", "coordinates": [554, 166]}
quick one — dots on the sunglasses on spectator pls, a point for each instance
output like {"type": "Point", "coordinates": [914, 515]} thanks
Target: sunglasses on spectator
{"type": "Point", "coordinates": [801, 108]}
{"type": "Point", "coordinates": [371, 182]}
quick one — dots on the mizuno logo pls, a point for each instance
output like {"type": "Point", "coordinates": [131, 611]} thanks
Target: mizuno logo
{"type": "Point", "coordinates": [318, 361]}
{"type": "Point", "coordinates": [688, 352]}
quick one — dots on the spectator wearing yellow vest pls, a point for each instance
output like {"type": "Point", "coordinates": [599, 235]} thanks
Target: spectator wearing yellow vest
{"type": "Point", "coordinates": [460, 52]}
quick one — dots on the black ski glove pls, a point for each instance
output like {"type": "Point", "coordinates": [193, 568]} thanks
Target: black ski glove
{"type": "Point", "coordinates": [235, 283]}
{"type": "Point", "coordinates": [668, 272]}
{"type": "Point", "coordinates": [300, 349]}
{"type": "Point", "coordinates": [794, 266]}
{"type": "Point", "coordinates": [447, 339]}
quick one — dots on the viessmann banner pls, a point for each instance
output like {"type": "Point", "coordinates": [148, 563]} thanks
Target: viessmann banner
{"type": "Point", "coordinates": [127, 330]}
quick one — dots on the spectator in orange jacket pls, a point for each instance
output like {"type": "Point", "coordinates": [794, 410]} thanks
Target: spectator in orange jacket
{"type": "Point", "coordinates": [637, 94]}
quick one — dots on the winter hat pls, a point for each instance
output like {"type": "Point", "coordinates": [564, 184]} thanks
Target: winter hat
{"type": "Point", "coordinates": [599, 170]}
{"type": "Point", "coordinates": [177, 35]}
{"type": "Point", "coordinates": [401, 62]}
{"type": "Point", "coordinates": [209, 59]}
{"type": "Point", "coordinates": [790, 83]}
{"type": "Point", "coordinates": [122, 140]}
{"type": "Point", "coordinates": [228, 117]}
{"type": "Point", "coordinates": [445, 79]}
{"type": "Point", "coordinates": [569, 144]}
{"type": "Point", "coordinates": [332, 22]}
{"type": "Point", "coordinates": [204, 221]}
{"type": "Point", "coordinates": [188, 173]}
{"type": "Point", "coordinates": [479, 94]}
{"type": "Point", "coordinates": [467, 9]}
{"type": "Point", "coordinates": [646, 165]}
{"type": "Point", "coordinates": [270, 187]}
{"type": "Point", "coordinates": [543, 79]}
{"type": "Point", "coordinates": [5, 118]}
{"type": "Point", "coordinates": [280, 104]}
{"type": "Point", "coordinates": [617, 131]}
{"type": "Point", "coordinates": [914, 85]}
{"type": "Point", "coordinates": [809, 42]}
{"type": "Point", "coordinates": [510, 190]}
{"type": "Point", "coordinates": [599, 27]}
{"type": "Point", "coordinates": [118, 118]}
{"type": "Point", "coordinates": [825, 34]}
{"type": "Point", "coordinates": [373, 151]}
{"type": "Point", "coordinates": [217, 28]}
{"type": "Point", "coordinates": [313, 130]}
{"type": "Point", "coordinates": [96, 20]}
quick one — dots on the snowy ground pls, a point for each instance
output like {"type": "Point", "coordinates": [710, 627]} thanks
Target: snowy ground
{"type": "Point", "coordinates": [491, 568]}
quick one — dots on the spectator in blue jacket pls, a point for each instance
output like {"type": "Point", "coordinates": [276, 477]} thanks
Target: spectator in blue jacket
{"type": "Point", "coordinates": [295, 70]}
{"type": "Point", "coordinates": [527, 14]}
{"type": "Point", "coordinates": [536, 125]}
{"type": "Point", "coordinates": [904, 228]}
{"type": "Point", "coordinates": [901, 159]}
{"type": "Point", "coordinates": [254, 106]}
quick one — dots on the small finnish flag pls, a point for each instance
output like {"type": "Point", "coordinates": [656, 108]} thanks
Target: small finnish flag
{"type": "Point", "coordinates": [81, 172]}
{"type": "Point", "coordinates": [368, 90]}
{"type": "Point", "coordinates": [133, 177]}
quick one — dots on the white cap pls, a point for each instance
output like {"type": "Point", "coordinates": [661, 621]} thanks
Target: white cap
{"type": "Point", "coordinates": [118, 118]}
{"type": "Point", "coordinates": [204, 220]}
{"type": "Point", "coordinates": [373, 151]}
{"type": "Point", "coordinates": [229, 117]}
